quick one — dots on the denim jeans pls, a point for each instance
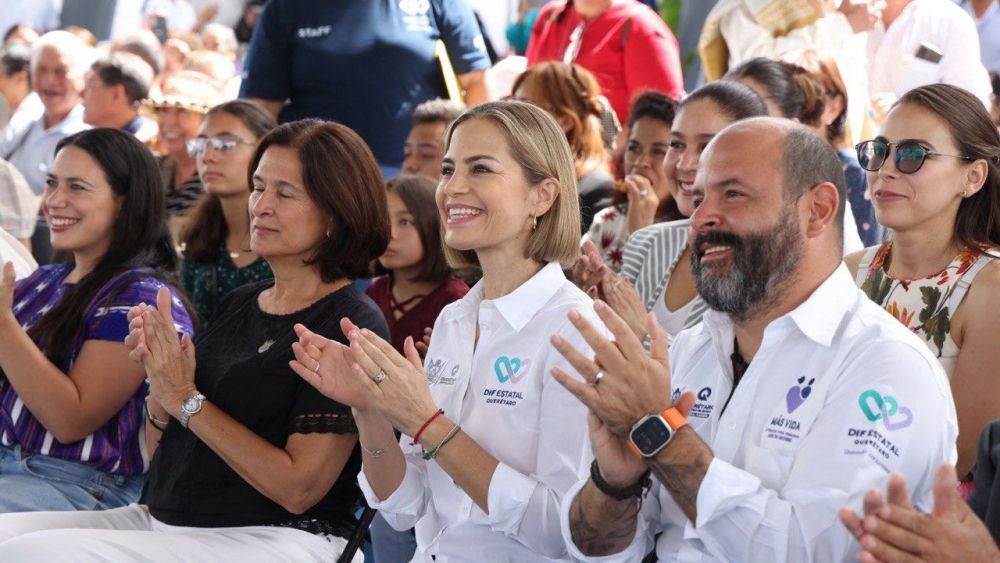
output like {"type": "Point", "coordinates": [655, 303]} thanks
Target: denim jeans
{"type": "Point", "coordinates": [388, 545]}
{"type": "Point", "coordinates": [31, 482]}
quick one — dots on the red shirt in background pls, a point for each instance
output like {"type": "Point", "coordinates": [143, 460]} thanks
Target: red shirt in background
{"type": "Point", "coordinates": [422, 315]}
{"type": "Point", "coordinates": [647, 57]}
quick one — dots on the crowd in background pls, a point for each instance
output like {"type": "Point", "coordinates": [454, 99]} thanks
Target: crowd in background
{"type": "Point", "coordinates": [392, 226]}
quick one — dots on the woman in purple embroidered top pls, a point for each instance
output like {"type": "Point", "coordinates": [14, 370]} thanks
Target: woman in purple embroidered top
{"type": "Point", "coordinates": [71, 401]}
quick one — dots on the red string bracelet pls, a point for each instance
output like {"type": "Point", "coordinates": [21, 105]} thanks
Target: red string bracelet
{"type": "Point", "coordinates": [416, 437]}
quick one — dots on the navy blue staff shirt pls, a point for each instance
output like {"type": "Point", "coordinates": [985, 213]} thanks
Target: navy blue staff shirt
{"type": "Point", "coordinates": [364, 63]}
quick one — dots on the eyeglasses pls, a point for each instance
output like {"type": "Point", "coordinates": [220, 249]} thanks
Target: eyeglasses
{"type": "Point", "coordinates": [197, 146]}
{"type": "Point", "coordinates": [910, 156]}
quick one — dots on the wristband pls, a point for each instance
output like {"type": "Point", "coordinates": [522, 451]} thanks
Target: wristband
{"type": "Point", "coordinates": [416, 437]}
{"type": "Point", "coordinates": [434, 452]}
{"type": "Point", "coordinates": [637, 489]}
{"type": "Point", "coordinates": [157, 423]}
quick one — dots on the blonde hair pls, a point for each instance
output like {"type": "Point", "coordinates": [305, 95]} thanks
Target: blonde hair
{"type": "Point", "coordinates": [539, 146]}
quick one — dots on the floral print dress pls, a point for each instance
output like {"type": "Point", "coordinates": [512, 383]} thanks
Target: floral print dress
{"type": "Point", "coordinates": [926, 306]}
{"type": "Point", "coordinates": [609, 232]}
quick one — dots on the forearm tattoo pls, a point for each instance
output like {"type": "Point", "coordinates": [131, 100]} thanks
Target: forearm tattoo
{"type": "Point", "coordinates": [605, 525]}
{"type": "Point", "coordinates": [680, 468]}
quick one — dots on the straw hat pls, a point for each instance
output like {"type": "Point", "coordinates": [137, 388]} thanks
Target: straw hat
{"type": "Point", "coordinates": [187, 89]}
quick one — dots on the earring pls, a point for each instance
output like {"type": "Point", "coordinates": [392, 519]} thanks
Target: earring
{"type": "Point", "coordinates": [965, 194]}
{"type": "Point", "coordinates": [534, 222]}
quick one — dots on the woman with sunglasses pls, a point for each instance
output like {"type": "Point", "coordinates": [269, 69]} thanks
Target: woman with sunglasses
{"type": "Point", "coordinates": [216, 240]}
{"type": "Point", "coordinates": [934, 175]}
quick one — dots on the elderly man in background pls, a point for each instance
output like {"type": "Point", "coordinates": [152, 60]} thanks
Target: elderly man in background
{"type": "Point", "coordinates": [59, 61]}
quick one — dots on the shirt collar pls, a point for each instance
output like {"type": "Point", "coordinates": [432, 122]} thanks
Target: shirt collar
{"type": "Point", "coordinates": [72, 120]}
{"type": "Point", "coordinates": [818, 317]}
{"type": "Point", "coordinates": [519, 306]}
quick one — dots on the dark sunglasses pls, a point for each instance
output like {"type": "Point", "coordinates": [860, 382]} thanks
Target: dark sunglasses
{"type": "Point", "coordinates": [910, 156]}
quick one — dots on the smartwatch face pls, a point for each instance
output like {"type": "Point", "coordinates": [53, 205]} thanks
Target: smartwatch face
{"type": "Point", "coordinates": [650, 435]}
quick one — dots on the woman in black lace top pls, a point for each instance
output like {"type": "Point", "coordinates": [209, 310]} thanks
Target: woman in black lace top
{"type": "Point", "coordinates": [252, 453]}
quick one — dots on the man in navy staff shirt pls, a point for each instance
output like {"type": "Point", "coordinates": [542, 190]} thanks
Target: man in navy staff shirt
{"type": "Point", "coordinates": [364, 63]}
{"type": "Point", "coordinates": [794, 396]}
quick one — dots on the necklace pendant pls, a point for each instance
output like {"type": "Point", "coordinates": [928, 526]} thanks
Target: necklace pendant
{"type": "Point", "coordinates": [265, 346]}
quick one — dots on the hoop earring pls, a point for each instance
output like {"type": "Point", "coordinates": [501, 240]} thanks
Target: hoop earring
{"type": "Point", "coordinates": [534, 222]}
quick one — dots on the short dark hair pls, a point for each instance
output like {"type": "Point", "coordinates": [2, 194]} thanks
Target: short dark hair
{"type": "Point", "coordinates": [139, 239]}
{"type": "Point", "coordinates": [15, 58]}
{"type": "Point", "coordinates": [736, 100]}
{"type": "Point", "coordinates": [343, 179]}
{"type": "Point", "coordinates": [438, 110]}
{"type": "Point", "coordinates": [976, 137]}
{"type": "Point", "coordinates": [128, 70]}
{"type": "Point", "coordinates": [417, 193]}
{"type": "Point", "coordinates": [808, 160]}
{"type": "Point", "coordinates": [652, 104]}
{"type": "Point", "coordinates": [205, 231]}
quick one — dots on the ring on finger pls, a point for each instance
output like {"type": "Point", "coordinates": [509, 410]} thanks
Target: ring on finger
{"type": "Point", "coordinates": [316, 369]}
{"type": "Point", "coordinates": [379, 377]}
{"type": "Point", "coordinates": [598, 378]}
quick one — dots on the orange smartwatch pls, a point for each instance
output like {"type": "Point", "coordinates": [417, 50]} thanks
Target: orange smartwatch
{"type": "Point", "coordinates": [653, 432]}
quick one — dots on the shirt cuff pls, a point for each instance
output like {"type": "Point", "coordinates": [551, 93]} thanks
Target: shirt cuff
{"type": "Point", "coordinates": [406, 501]}
{"type": "Point", "coordinates": [508, 497]}
{"type": "Point", "coordinates": [725, 487]}
{"type": "Point", "coordinates": [635, 550]}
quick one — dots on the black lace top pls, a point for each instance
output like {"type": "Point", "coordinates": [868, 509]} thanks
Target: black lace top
{"type": "Point", "coordinates": [243, 369]}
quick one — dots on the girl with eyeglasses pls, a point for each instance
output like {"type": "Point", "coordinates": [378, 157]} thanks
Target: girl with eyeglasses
{"type": "Point", "coordinates": [934, 176]}
{"type": "Point", "coordinates": [216, 240]}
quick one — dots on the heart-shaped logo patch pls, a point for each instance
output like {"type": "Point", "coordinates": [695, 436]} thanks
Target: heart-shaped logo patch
{"type": "Point", "coordinates": [876, 406]}
{"type": "Point", "coordinates": [511, 369]}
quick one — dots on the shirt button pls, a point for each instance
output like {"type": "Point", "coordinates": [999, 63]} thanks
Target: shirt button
{"type": "Point", "coordinates": [732, 426]}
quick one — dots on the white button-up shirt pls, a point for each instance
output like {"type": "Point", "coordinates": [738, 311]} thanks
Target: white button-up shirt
{"type": "Point", "coordinates": [892, 62]}
{"type": "Point", "coordinates": [989, 33]}
{"type": "Point", "coordinates": [31, 147]}
{"type": "Point", "coordinates": [502, 393]}
{"type": "Point", "coordinates": [839, 395]}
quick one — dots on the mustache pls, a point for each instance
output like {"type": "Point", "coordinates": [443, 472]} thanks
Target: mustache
{"type": "Point", "coordinates": [714, 237]}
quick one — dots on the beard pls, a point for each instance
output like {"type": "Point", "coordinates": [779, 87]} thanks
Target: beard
{"type": "Point", "coordinates": [761, 264]}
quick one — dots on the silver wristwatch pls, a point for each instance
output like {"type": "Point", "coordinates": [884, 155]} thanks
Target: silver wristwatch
{"type": "Point", "coordinates": [190, 407]}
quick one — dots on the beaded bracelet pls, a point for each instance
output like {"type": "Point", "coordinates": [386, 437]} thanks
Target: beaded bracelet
{"type": "Point", "coordinates": [434, 452]}
{"type": "Point", "coordinates": [416, 437]}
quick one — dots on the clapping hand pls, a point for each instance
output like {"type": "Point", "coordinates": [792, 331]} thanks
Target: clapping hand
{"type": "Point", "coordinates": [368, 374]}
{"type": "Point", "coordinates": [169, 361]}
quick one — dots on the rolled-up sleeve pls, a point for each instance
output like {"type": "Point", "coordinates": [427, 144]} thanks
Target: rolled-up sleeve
{"type": "Point", "coordinates": [408, 502]}
{"type": "Point", "coordinates": [647, 525]}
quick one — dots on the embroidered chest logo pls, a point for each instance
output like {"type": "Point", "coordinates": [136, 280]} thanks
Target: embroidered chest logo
{"type": "Point", "coordinates": [416, 16]}
{"type": "Point", "coordinates": [785, 428]}
{"type": "Point", "coordinates": [511, 370]}
{"type": "Point", "coordinates": [437, 373]}
{"type": "Point", "coordinates": [876, 406]}
{"type": "Point", "coordinates": [798, 394]}
{"type": "Point", "coordinates": [702, 408]}
{"type": "Point", "coordinates": [871, 442]}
